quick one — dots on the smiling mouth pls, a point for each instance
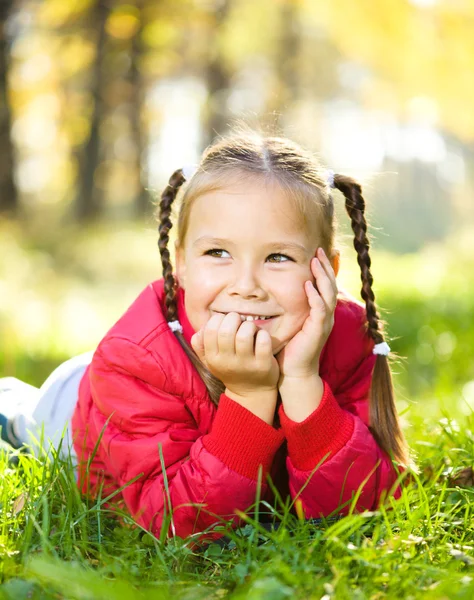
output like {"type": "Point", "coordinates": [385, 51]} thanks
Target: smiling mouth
{"type": "Point", "coordinates": [244, 317]}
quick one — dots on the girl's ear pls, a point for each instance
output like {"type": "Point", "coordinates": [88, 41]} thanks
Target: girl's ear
{"type": "Point", "coordinates": [336, 261]}
{"type": "Point", "coordinates": [180, 265]}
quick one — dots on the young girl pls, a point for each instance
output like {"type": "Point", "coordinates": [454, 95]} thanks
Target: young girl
{"type": "Point", "coordinates": [247, 358]}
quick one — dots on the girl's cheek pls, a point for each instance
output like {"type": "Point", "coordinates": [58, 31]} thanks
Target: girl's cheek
{"type": "Point", "coordinates": [210, 279]}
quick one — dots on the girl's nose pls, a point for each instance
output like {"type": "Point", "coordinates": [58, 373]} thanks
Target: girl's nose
{"type": "Point", "coordinates": [247, 285]}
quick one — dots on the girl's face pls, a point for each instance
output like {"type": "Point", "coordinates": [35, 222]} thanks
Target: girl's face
{"type": "Point", "coordinates": [246, 252]}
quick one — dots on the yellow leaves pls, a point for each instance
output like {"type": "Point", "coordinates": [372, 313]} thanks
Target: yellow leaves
{"type": "Point", "coordinates": [55, 13]}
{"type": "Point", "coordinates": [77, 128]}
{"type": "Point", "coordinates": [76, 54]}
{"type": "Point", "coordinates": [124, 22]}
{"type": "Point", "coordinates": [412, 50]}
{"type": "Point", "coordinates": [376, 33]}
{"type": "Point", "coordinates": [160, 34]}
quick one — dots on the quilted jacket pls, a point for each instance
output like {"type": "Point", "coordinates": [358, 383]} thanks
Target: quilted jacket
{"type": "Point", "coordinates": [141, 393]}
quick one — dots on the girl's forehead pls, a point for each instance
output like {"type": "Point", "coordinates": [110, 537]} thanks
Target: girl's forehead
{"type": "Point", "coordinates": [258, 204]}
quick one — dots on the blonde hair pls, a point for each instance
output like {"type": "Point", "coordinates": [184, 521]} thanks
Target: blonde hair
{"type": "Point", "coordinates": [300, 175]}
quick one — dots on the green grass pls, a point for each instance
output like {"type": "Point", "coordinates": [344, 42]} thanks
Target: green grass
{"type": "Point", "coordinates": [56, 544]}
{"type": "Point", "coordinates": [58, 296]}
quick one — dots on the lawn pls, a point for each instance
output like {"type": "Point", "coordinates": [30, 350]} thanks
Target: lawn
{"type": "Point", "coordinates": [58, 298]}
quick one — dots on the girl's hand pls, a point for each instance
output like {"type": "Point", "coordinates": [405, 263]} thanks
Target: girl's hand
{"type": "Point", "coordinates": [300, 357]}
{"type": "Point", "coordinates": [243, 361]}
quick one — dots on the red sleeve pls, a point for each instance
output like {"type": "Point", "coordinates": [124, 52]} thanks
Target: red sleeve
{"type": "Point", "coordinates": [242, 440]}
{"type": "Point", "coordinates": [337, 439]}
{"type": "Point", "coordinates": [208, 476]}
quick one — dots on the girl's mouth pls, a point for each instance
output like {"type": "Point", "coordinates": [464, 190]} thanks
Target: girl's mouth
{"type": "Point", "coordinates": [259, 320]}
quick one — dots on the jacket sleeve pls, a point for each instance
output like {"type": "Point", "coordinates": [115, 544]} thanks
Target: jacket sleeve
{"type": "Point", "coordinates": [208, 476]}
{"type": "Point", "coordinates": [336, 437]}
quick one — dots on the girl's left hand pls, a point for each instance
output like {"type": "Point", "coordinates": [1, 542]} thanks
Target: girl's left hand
{"type": "Point", "coordinates": [300, 357]}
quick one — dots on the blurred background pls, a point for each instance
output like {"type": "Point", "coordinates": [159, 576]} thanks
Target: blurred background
{"type": "Point", "coordinates": [101, 100]}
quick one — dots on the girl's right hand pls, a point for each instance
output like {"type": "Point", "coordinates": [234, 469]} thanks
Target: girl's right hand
{"type": "Point", "coordinates": [243, 361]}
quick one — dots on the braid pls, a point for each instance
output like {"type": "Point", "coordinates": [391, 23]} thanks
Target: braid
{"type": "Point", "coordinates": [355, 207]}
{"type": "Point", "coordinates": [214, 385]}
{"type": "Point", "coordinates": [167, 197]}
{"type": "Point", "coordinates": [383, 417]}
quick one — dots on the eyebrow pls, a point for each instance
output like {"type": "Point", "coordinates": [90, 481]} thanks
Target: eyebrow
{"type": "Point", "coordinates": [270, 246]}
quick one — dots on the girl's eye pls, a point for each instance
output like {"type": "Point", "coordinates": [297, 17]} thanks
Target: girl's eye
{"type": "Point", "coordinates": [284, 256]}
{"type": "Point", "coordinates": [215, 252]}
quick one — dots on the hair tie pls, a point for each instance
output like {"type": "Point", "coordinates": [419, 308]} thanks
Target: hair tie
{"type": "Point", "coordinates": [330, 178]}
{"type": "Point", "coordinates": [189, 170]}
{"type": "Point", "coordinates": [383, 348]}
{"type": "Point", "coordinates": [175, 326]}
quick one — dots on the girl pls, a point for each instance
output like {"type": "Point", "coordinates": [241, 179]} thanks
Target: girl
{"type": "Point", "coordinates": [247, 359]}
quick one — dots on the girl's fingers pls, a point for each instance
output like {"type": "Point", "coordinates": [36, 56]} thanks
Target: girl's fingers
{"type": "Point", "coordinates": [197, 343]}
{"type": "Point", "coordinates": [244, 339]}
{"type": "Point", "coordinates": [211, 347]}
{"type": "Point", "coordinates": [315, 299]}
{"type": "Point", "coordinates": [263, 345]}
{"type": "Point", "coordinates": [322, 291]}
{"type": "Point", "coordinates": [227, 332]}
{"type": "Point", "coordinates": [225, 335]}
{"type": "Point", "coordinates": [326, 286]}
{"type": "Point", "coordinates": [326, 263]}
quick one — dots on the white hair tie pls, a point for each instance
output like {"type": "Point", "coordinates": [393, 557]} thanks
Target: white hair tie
{"type": "Point", "coordinates": [175, 326]}
{"type": "Point", "coordinates": [330, 178]}
{"type": "Point", "coordinates": [383, 348]}
{"type": "Point", "coordinates": [189, 170]}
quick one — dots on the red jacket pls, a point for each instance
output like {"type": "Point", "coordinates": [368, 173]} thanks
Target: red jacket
{"type": "Point", "coordinates": [142, 382]}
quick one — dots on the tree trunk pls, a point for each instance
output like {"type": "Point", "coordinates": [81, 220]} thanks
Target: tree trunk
{"type": "Point", "coordinates": [8, 191]}
{"type": "Point", "coordinates": [289, 57]}
{"type": "Point", "coordinates": [142, 202]}
{"type": "Point", "coordinates": [286, 65]}
{"type": "Point", "coordinates": [217, 80]}
{"type": "Point", "coordinates": [90, 200]}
